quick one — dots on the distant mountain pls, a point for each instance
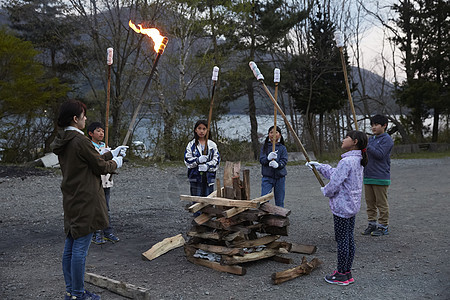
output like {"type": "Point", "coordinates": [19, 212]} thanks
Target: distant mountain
{"type": "Point", "coordinates": [371, 88]}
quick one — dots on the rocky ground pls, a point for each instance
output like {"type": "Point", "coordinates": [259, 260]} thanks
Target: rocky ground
{"type": "Point", "coordinates": [413, 262]}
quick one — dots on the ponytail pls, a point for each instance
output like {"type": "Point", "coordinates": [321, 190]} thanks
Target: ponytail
{"type": "Point", "coordinates": [361, 145]}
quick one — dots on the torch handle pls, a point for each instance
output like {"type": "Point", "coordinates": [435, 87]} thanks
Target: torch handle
{"type": "Point", "coordinates": [205, 150]}
{"type": "Point", "coordinates": [297, 139]}
{"type": "Point", "coordinates": [347, 85]}
{"type": "Point", "coordinates": [141, 100]}
{"type": "Point", "coordinates": [274, 140]}
{"type": "Point", "coordinates": [108, 94]}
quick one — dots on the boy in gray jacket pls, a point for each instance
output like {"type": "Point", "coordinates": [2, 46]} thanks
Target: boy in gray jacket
{"type": "Point", "coordinates": [377, 177]}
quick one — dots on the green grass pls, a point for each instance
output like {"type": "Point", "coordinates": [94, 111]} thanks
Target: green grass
{"type": "Point", "coordinates": [422, 155]}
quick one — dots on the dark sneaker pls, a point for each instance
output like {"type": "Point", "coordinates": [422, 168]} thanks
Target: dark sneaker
{"type": "Point", "coordinates": [337, 278]}
{"type": "Point", "coordinates": [97, 238]}
{"type": "Point", "coordinates": [111, 237]}
{"type": "Point", "coordinates": [87, 296]}
{"type": "Point", "coordinates": [371, 228]}
{"type": "Point", "coordinates": [380, 231]}
{"type": "Point", "coordinates": [350, 277]}
{"type": "Point", "coordinates": [67, 296]}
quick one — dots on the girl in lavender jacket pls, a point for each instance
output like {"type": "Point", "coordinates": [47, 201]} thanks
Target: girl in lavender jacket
{"type": "Point", "coordinates": [344, 190]}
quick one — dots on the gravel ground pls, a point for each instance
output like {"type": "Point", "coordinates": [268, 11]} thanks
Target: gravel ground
{"type": "Point", "coordinates": [413, 262]}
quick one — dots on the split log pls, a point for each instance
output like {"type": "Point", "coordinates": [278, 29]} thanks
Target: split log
{"type": "Point", "coordinates": [237, 270]}
{"type": "Point", "coordinates": [222, 201]}
{"type": "Point", "coordinates": [203, 218]}
{"type": "Point", "coordinates": [228, 192]}
{"type": "Point", "coordinates": [232, 169]}
{"type": "Point", "coordinates": [276, 210]}
{"type": "Point", "coordinates": [275, 230]}
{"type": "Point", "coordinates": [218, 188]}
{"type": "Point", "coordinates": [190, 251]}
{"type": "Point", "coordinates": [280, 245]}
{"type": "Point", "coordinates": [304, 269]}
{"type": "Point", "coordinates": [254, 243]}
{"type": "Point", "coordinates": [277, 221]}
{"type": "Point", "coordinates": [222, 250]}
{"type": "Point", "coordinates": [233, 211]}
{"type": "Point", "coordinates": [237, 188]}
{"type": "Point", "coordinates": [164, 246]}
{"type": "Point", "coordinates": [246, 184]}
{"type": "Point", "coordinates": [234, 260]}
{"type": "Point", "coordinates": [121, 288]}
{"type": "Point", "coordinates": [225, 236]}
{"type": "Point", "coordinates": [303, 249]}
{"type": "Point", "coordinates": [198, 206]}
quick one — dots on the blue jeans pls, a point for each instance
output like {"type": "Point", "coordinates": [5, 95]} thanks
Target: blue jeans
{"type": "Point", "coordinates": [267, 183]}
{"type": "Point", "coordinates": [73, 263]}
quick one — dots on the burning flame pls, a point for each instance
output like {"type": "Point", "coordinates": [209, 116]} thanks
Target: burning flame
{"type": "Point", "coordinates": [153, 33]}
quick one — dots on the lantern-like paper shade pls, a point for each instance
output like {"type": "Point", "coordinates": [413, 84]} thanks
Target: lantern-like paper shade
{"type": "Point", "coordinates": [339, 39]}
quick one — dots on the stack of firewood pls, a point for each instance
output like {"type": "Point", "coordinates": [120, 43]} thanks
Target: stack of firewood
{"type": "Point", "coordinates": [234, 229]}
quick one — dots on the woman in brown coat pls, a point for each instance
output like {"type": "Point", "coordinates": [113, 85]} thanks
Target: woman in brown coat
{"type": "Point", "coordinates": [84, 202]}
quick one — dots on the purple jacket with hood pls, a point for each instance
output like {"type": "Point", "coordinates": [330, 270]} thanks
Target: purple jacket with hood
{"type": "Point", "coordinates": [345, 186]}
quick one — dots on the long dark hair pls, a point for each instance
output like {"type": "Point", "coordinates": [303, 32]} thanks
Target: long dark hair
{"type": "Point", "coordinates": [204, 122]}
{"type": "Point", "coordinates": [361, 145]}
{"type": "Point", "coordinates": [69, 109]}
{"type": "Point", "coordinates": [267, 140]}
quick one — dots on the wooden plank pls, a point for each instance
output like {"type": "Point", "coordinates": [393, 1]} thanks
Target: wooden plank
{"type": "Point", "coordinates": [233, 260]}
{"type": "Point", "coordinates": [164, 246]}
{"type": "Point", "coordinates": [196, 207]}
{"type": "Point", "coordinates": [254, 243]}
{"type": "Point", "coordinates": [233, 211]}
{"type": "Point", "coordinates": [280, 245]}
{"type": "Point", "coordinates": [304, 269]}
{"type": "Point", "coordinates": [276, 210]}
{"type": "Point", "coordinates": [203, 218]}
{"type": "Point", "coordinates": [219, 249]}
{"type": "Point", "coordinates": [119, 287]}
{"type": "Point", "coordinates": [221, 201]}
{"type": "Point", "coordinates": [303, 249]}
{"type": "Point", "coordinates": [246, 184]}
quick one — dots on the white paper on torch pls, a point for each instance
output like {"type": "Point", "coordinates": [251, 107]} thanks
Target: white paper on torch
{"type": "Point", "coordinates": [109, 59]}
{"type": "Point", "coordinates": [276, 75]}
{"type": "Point", "coordinates": [215, 73]}
{"type": "Point", "coordinates": [338, 38]}
{"type": "Point", "coordinates": [256, 71]}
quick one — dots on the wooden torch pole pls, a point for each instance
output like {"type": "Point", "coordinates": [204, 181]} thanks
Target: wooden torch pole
{"type": "Point", "coordinates": [260, 78]}
{"type": "Point", "coordinates": [215, 76]}
{"type": "Point", "coordinates": [340, 45]}
{"type": "Point", "coordinates": [276, 80]}
{"type": "Point", "coordinates": [147, 84]}
{"type": "Point", "coordinates": [109, 61]}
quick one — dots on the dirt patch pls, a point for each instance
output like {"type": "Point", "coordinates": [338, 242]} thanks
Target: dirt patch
{"type": "Point", "coordinates": [413, 262]}
{"type": "Point", "coordinates": [22, 171]}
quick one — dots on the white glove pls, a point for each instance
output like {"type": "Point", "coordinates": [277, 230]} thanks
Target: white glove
{"type": "Point", "coordinates": [202, 159]}
{"type": "Point", "coordinates": [272, 155]}
{"type": "Point", "coordinates": [310, 164]}
{"type": "Point", "coordinates": [118, 160]}
{"type": "Point", "coordinates": [104, 150]}
{"type": "Point", "coordinates": [203, 167]}
{"type": "Point", "coordinates": [120, 151]}
{"type": "Point", "coordinates": [273, 164]}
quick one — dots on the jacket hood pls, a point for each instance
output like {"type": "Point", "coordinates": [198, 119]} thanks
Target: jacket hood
{"type": "Point", "coordinates": [62, 139]}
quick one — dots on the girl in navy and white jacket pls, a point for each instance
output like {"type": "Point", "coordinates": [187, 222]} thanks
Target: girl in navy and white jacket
{"type": "Point", "coordinates": [344, 190]}
{"type": "Point", "coordinates": [202, 168]}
